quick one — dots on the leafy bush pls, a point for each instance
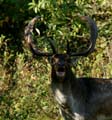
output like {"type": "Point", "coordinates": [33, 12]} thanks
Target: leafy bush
{"type": "Point", "coordinates": [25, 92]}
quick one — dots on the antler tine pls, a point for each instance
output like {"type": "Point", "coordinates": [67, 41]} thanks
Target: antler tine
{"type": "Point", "coordinates": [93, 36]}
{"type": "Point", "coordinates": [52, 44]}
{"type": "Point", "coordinates": [29, 39]}
{"type": "Point", "coordinates": [68, 47]}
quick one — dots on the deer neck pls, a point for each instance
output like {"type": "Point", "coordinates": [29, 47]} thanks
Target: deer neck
{"type": "Point", "coordinates": [68, 85]}
{"type": "Point", "coordinates": [69, 91]}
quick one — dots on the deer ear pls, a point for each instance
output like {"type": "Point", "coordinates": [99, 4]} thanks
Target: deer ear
{"type": "Point", "coordinates": [73, 61]}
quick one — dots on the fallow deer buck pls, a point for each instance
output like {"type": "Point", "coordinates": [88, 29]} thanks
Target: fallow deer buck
{"type": "Point", "coordinates": [78, 98]}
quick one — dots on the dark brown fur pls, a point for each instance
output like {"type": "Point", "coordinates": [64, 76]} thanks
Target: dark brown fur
{"type": "Point", "coordinates": [92, 95]}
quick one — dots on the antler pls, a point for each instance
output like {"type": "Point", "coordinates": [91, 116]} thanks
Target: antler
{"type": "Point", "coordinates": [93, 37]}
{"type": "Point", "coordinates": [29, 39]}
{"type": "Point", "coordinates": [36, 51]}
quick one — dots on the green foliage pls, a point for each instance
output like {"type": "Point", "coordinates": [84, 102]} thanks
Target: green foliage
{"type": "Point", "coordinates": [25, 92]}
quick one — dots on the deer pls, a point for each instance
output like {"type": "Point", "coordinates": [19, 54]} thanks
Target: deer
{"type": "Point", "coordinates": [78, 98]}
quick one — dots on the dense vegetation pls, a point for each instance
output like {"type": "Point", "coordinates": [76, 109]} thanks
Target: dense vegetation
{"type": "Point", "coordinates": [25, 92]}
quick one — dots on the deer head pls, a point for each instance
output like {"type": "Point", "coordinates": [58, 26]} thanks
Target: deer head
{"type": "Point", "coordinates": [60, 62]}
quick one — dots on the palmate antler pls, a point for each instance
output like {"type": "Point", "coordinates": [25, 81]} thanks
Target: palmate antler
{"type": "Point", "coordinates": [29, 39]}
{"type": "Point", "coordinates": [36, 51]}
